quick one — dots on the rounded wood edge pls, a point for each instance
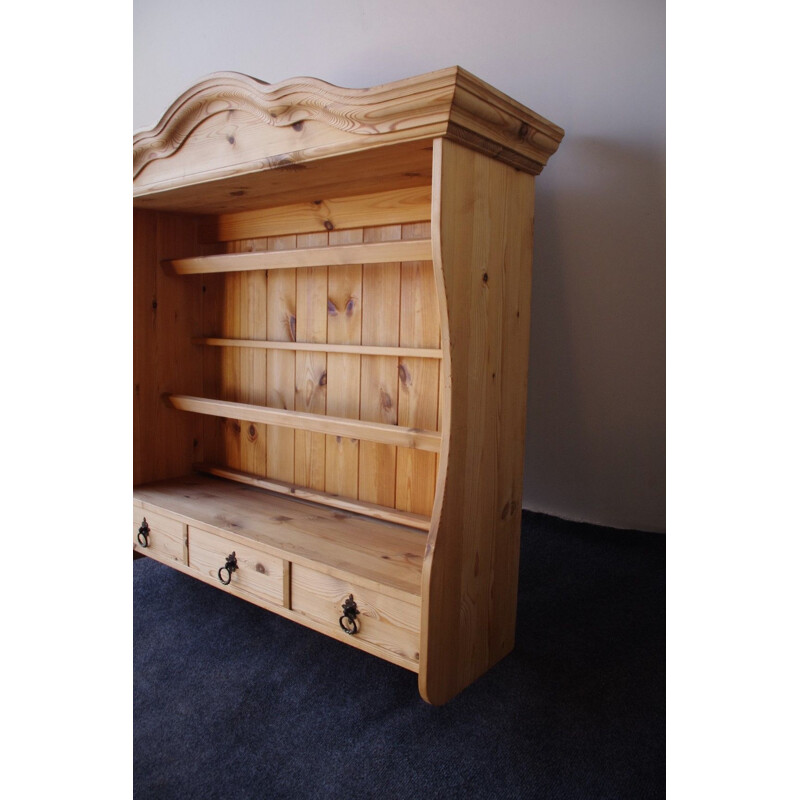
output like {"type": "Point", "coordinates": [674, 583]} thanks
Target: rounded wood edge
{"type": "Point", "coordinates": [402, 105]}
{"type": "Point", "coordinates": [450, 102]}
{"type": "Point", "coordinates": [428, 692]}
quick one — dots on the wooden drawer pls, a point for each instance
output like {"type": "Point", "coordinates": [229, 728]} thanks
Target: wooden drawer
{"type": "Point", "coordinates": [165, 537]}
{"type": "Point", "coordinates": [258, 577]}
{"type": "Point", "coordinates": [386, 623]}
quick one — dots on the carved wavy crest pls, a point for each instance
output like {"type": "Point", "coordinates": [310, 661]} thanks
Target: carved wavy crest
{"type": "Point", "coordinates": [380, 109]}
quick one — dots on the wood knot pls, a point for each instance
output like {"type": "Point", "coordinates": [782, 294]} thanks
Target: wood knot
{"type": "Point", "coordinates": [386, 400]}
{"type": "Point", "coordinates": [231, 140]}
{"type": "Point", "coordinates": [292, 320]}
{"type": "Point", "coordinates": [323, 379]}
{"type": "Point", "coordinates": [261, 568]}
{"type": "Point", "coordinates": [252, 433]}
{"type": "Point", "coordinates": [328, 225]}
{"type": "Point", "coordinates": [332, 311]}
{"type": "Point", "coordinates": [486, 277]}
{"type": "Point", "coordinates": [524, 130]}
{"type": "Point", "coordinates": [405, 375]}
{"type": "Point", "coordinates": [237, 193]}
{"type": "Point", "coordinates": [350, 307]}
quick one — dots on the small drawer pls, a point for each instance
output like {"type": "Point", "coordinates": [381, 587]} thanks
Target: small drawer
{"type": "Point", "coordinates": [257, 576]}
{"type": "Point", "coordinates": [159, 536]}
{"type": "Point", "coordinates": [385, 622]}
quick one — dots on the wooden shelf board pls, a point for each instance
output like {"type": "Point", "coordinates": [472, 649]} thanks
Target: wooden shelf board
{"type": "Point", "coordinates": [417, 521]}
{"type": "Point", "coordinates": [375, 554]}
{"type": "Point", "coordinates": [319, 423]}
{"type": "Point", "coordinates": [338, 255]}
{"type": "Point", "coordinates": [324, 347]}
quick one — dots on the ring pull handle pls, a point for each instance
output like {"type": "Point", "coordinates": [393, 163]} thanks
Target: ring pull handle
{"type": "Point", "coordinates": [350, 612]}
{"type": "Point", "coordinates": [144, 533]}
{"type": "Point", "coordinates": [230, 567]}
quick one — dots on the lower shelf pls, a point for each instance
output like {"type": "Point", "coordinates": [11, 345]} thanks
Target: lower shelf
{"type": "Point", "coordinates": [294, 558]}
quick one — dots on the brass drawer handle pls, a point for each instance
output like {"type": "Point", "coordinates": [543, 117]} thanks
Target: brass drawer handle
{"type": "Point", "coordinates": [350, 611]}
{"type": "Point", "coordinates": [230, 567]}
{"type": "Point", "coordinates": [144, 533]}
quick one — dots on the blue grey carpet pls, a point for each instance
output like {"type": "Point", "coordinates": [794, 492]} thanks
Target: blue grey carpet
{"type": "Point", "coordinates": [231, 701]}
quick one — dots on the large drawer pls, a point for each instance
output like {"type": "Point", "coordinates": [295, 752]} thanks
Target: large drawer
{"type": "Point", "coordinates": [258, 576]}
{"type": "Point", "coordinates": [387, 623]}
{"type": "Point", "coordinates": [159, 536]}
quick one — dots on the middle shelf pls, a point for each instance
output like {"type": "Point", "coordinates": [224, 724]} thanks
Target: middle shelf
{"type": "Point", "coordinates": [380, 432]}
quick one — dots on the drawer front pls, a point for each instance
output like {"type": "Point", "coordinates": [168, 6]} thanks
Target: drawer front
{"type": "Point", "coordinates": [165, 538]}
{"type": "Point", "coordinates": [390, 624]}
{"type": "Point", "coordinates": [257, 577]}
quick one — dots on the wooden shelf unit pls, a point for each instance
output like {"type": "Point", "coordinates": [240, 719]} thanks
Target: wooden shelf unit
{"type": "Point", "coordinates": [331, 310]}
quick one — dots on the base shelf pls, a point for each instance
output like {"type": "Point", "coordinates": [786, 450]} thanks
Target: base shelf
{"type": "Point", "coordinates": [382, 556]}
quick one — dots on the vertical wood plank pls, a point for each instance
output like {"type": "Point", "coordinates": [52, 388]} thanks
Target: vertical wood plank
{"type": "Point", "coordinates": [344, 370]}
{"type": "Point", "coordinates": [214, 439]}
{"type": "Point", "coordinates": [513, 392]}
{"type": "Point", "coordinates": [482, 215]}
{"type": "Point", "coordinates": [380, 325]}
{"type": "Point", "coordinates": [418, 391]}
{"type": "Point", "coordinates": [145, 391]}
{"type": "Point", "coordinates": [167, 313]}
{"type": "Point", "coordinates": [311, 368]}
{"type": "Point", "coordinates": [253, 363]}
{"type": "Point", "coordinates": [281, 326]}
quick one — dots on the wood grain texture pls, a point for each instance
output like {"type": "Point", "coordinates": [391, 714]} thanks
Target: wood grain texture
{"type": "Point", "coordinates": [321, 216]}
{"type": "Point", "coordinates": [375, 253]}
{"type": "Point", "coordinates": [331, 309]}
{"type": "Point", "coordinates": [376, 555]}
{"type": "Point", "coordinates": [418, 386]}
{"type": "Point", "coordinates": [482, 228]}
{"type": "Point", "coordinates": [311, 347]}
{"type": "Point", "coordinates": [244, 374]}
{"type": "Point", "coordinates": [258, 576]}
{"type": "Point", "coordinates": [166, 538]}
{"type": "Point", "coordinates": [167, 315]}
{"type": "Point", "coordinates": [311, 367]}
{"type": "Point", "coordinates": [400, 166]}
{"type": "Point", "coordinates": [233, 124]}
{"type": "Point", "coordinates": [281, 326]}
{"type": "Point", "coordinates": [380, 325]}
{"type": "Point", "coordinates": [410, 520]}
{"type": "Point", "coordinates": [292, 420]}
{"type": "Point", "coordinates": [345, 287]}
{"type": "Point", "coordinates": [390, 624]}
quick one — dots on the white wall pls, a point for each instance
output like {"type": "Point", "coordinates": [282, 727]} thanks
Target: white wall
{"type": "Point", "coordinates": [596, 423]}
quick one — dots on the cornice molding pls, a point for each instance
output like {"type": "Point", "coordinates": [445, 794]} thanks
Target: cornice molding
{"type": "Point", "coordinates": [450, 103]}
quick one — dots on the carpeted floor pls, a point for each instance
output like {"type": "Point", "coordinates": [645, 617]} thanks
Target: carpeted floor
{"type": "Point", "coordinates": [231, 701]}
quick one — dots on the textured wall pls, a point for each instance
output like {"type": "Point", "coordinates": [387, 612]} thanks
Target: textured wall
{"type": "Point", "coordinates": [596, 422]}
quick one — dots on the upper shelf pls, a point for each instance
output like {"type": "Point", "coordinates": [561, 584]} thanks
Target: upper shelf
{"type": "Point", "coordinates": [336, 255]}
{"type": "Point", "coordinates": [229, 128]}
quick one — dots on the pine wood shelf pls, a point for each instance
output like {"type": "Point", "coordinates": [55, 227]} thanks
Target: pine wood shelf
{"type": "Point", "coordinates": [312, 347]}
{"type": "Point", "coordinates": [331, 326]}
{"type": "Point", "coordinates": [340, 255]}
{"type": "Point", "coordinates": [298, 420]}
{"type": "Point", "coordinates": [417, 521]}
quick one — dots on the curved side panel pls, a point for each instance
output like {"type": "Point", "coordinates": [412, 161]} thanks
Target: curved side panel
{"type": "Point", "coordinates": [482, 232]}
